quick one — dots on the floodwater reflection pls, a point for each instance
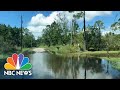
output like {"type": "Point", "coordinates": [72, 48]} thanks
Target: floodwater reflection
{"type": "Point", "coordinates": [49, 66]}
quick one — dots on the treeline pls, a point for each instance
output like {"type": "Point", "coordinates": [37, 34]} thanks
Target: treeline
{"type": "Point", "coordinates": [63, 32]}
{"type": "Point", "coordinates": [10, 38]}
{"type": "Point", "coordinates": [59, 33]}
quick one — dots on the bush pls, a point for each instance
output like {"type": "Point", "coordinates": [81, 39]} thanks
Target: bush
{"type": "Point", "coordinates": [7, 48]}
{"type": "Point", "coordinates": [72, 49]}
{"type": "Point", "coordinates": [113, 48]}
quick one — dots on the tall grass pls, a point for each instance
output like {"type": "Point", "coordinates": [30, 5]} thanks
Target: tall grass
{"type": "Point", "coordinates": [74, 50]}
{"type": "Point", "coordinates": [62, 49]}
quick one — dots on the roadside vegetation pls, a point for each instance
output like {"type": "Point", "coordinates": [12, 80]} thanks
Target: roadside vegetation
{"type": "Point", "coordinates": [65, 37]}
{"type": "Point", "coordinates": [10, 40]}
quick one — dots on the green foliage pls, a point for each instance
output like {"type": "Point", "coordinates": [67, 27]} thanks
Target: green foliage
{"type": "Point", "coordinates": [112, 41]}
{"type": "Point", "coordinates": [115, 64]}
{"type": "Point", "coordinates": [93, 36]}
{"type": "Point", "coordinates": [28, 39]}
{"type": "Point", "coordinates": [116, 25]}
{"type": "Point", "coordinates": [63, 33]}
{"type": "Point", "coordinates": [56, 34]}
{"type": "Point", "coordinates": [10, 38]}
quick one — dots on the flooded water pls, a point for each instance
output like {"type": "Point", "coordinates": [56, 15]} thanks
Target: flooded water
{"type": "Point", "coordinates": [47, 66]}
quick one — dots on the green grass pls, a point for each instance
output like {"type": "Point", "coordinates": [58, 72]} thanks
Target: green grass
{"type": "Point", "coordinates": [100, 53]}
{"type": "Point", "coordinates": [62, 50]}
{"type": "Point", "coordinates": [103, 52]}
{"type": "Point", "coordinates": [25, 49]}
{"type": "Point", "coordinates": [69, 50]}
{"type": "Point", "coordinates": [5, 55]}
{"type": "Point", "coordinates": [115, 65]}
{"type": "Point", "coordinates": [111, 58]}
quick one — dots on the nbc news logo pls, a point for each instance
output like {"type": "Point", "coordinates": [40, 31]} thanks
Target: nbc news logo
{"type": "Point", "coordinates": [17, 65]}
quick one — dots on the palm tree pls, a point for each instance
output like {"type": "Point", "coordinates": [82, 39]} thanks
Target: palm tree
{"type": "Point", "coordinates": [116, 25]}
{"type": "Point", "coordinates": [99, 25]}
{"type": "Point", "coordinates": [78, 16]}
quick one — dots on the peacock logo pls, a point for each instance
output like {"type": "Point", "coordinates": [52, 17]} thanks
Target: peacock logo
{"type": "Point", "coordinates": [17, 62]}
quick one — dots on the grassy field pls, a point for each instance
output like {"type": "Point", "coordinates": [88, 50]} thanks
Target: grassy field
{"type": "Point", "coordinates": [74, 51]}
{"type": "Point", "coordinates": [100, 53]}
{"type": "Point", "coordinates": [62, 49]}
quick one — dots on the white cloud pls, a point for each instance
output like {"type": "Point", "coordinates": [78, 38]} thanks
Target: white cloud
{"type": "Point", "coordinates": [91, 14]}
{"type": "Point", "coordinates": [36, 28]}
{"type": "Point", "coordinates": [108, 29]}
{"type": "Point", "coordinates": [39, 22]}
{"type": "Point", "coordinates": [105, 32]}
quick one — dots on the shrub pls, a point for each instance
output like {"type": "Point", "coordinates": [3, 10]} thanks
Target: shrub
{"type": "Point", "coordinates": [7, 48]}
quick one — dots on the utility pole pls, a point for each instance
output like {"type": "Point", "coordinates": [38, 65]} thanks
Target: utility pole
{"type": "Point", "coordinates": [85, 62]}
{"type": "Point", "coordinates": [21, 32]}
{"type": "Point", "coordinates": [71, 30]}
{"type": "Point", "coordinates": [31, 42]}
{"type": "Point", "coordinates": [84, 33]}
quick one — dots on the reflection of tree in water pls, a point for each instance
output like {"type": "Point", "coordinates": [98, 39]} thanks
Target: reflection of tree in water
{"type": "Point", "coordinates": [2, 62]}
{"type": "Point", "coordinates": [107, 65]}
{"type": "Point", "coordinates": [65, 66]}
{"type": "Point", "coordinates": [74, 66]}
{"type": "Point", "coordinates": [115, 65]}
{"type": "Point", "coordinates": [69, 66]}
{"type": "Point", "coordinates": [93, 64]}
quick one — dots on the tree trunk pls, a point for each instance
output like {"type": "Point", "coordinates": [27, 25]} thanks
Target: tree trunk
{"type": "Point", "coordinates": [84, 34]}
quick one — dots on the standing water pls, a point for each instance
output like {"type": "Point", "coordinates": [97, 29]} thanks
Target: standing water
{"type": "Point", "coordinates": [49, 66]}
